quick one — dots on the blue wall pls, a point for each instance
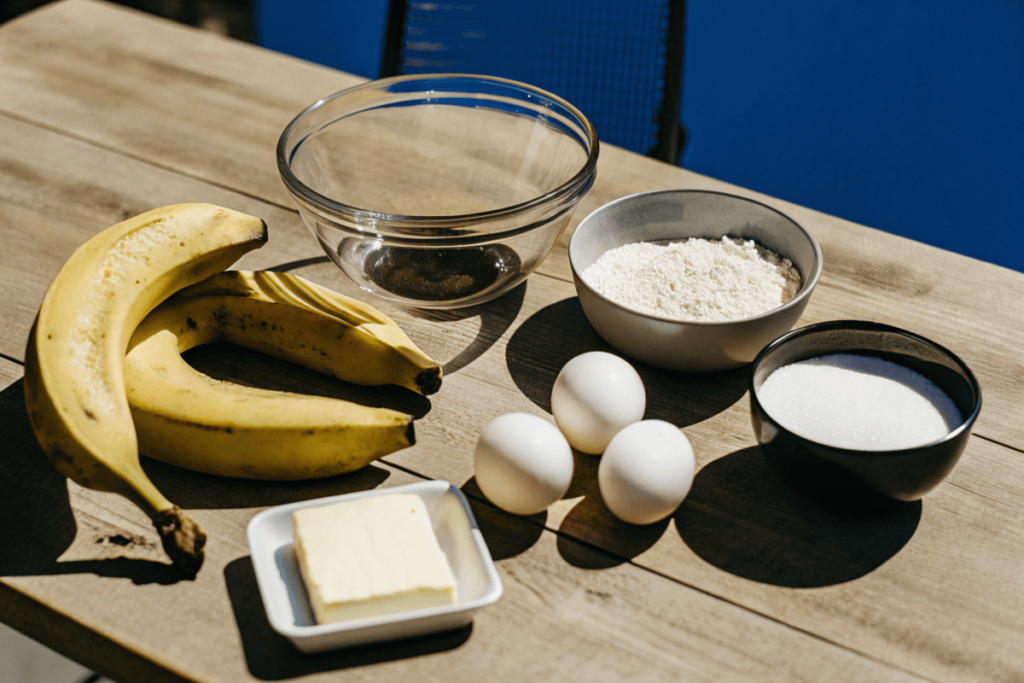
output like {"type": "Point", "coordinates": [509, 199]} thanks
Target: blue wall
{"type": "Point", "coordinates": [904, 116]}
{"type": "Point", "coordinates": [344, 34]}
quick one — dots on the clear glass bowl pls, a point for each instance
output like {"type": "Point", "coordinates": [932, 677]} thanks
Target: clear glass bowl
{"type": "Point", "coordinates": [438, 191]}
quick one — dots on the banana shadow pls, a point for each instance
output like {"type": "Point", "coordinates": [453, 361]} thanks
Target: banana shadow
{"type": "Point", "coordinates": [231, 363]}
{"type": "Point", "coordinates": [553, 336]}
{"type": "Point", "coordinates": [741, 517]}
{"type": "Point", "coordinates": [271, 657]}
{"type": "Point", "coordinates": [36, 521]}
{"type": "Point", "coordinates": [195, 490]}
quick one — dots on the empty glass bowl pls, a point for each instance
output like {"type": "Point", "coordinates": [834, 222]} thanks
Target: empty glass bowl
{"type": "Point", "coordinates": [438, 191]}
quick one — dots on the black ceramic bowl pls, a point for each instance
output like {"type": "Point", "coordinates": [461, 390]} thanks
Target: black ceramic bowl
{"type": "Point", "coordinates": [830, 472]}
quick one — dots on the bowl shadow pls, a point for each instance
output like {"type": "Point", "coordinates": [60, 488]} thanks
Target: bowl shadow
{"type": "Point", "coordinates": [741, 517]}
{"type": "Point", "coordinates": [540, 347]}
{"type": "Point", "coordinates": [495, 318]}
{"type": "Point", "coordinates": [271, 657]}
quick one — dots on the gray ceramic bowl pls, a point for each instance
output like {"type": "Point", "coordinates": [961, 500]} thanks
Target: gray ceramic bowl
{"type": "Point", "coordinates": [675, 215]}
{"type": "Point", "coordinates": [841, 474]}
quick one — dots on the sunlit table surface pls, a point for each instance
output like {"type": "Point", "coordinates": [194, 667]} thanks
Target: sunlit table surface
{"type": "Point", "coordinates": [106, 112]}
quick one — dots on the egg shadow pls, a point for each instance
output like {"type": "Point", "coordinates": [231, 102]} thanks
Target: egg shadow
{"type": "Point", "coordinates": [741, 517]}
{"type": "Point", "coordinates": [506, 535]}
{"type": "Point", "coordinates": [271, 657]}
{"type": "Point", "coordinates": [553, 336]}
{"type": "Point", "coordinates": [590, 522]}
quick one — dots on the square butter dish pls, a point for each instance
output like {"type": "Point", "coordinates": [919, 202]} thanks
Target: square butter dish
{"type": "Point", "coordinates": [284, 595]}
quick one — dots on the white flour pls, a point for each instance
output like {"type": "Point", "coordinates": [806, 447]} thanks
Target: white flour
{"type": "Point", "coordinates": [700, 280]}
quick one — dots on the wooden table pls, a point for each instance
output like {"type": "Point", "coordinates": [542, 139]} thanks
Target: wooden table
{"type": "Point", "coordinates": [105, 113]}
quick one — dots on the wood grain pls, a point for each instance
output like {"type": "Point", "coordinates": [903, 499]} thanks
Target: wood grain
{"type": "Point", "coordinates": [619, 623]}
{"type": "Point", "coordinates": [214, 112]}
{"type": "Point", "coordinates": [746, 581]}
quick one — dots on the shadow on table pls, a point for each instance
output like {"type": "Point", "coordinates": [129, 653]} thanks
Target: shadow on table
{"type": "Point", "coordinates": [271, 657]}
{"type": "Point", "coordinates": [506, 535]}
{"type": "Point", "coordinates": [742, 518]}
{"type": "Point", "coordinates": [553, 336]}
{"type": "Point", "coordinates": [237, 364]}
{"type": "Point", "coordinates": [591, 522]}
{"type": "Point", "coordinates": [590, 537]}
{"type": "Point", "coordinates": [195, 490]}
{"type": "Point", "coordinates": [495, 318]}
{"type": "Point", "coordinates": [36, 522]}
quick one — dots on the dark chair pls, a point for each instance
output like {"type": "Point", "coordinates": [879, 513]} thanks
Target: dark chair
{"type": "Point", "coordinates": [618, 61]}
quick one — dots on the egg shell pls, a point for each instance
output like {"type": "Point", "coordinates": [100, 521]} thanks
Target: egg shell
{"type": "Point", "coordinates": [595, 395]}
{"type": "Point", "coordinates": [522, 463]}
{"type": "Point", "coordinates": [646, 471]}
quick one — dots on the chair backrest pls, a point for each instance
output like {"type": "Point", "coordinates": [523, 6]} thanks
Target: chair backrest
{"type": "Point", "coordinates": [618, 61]}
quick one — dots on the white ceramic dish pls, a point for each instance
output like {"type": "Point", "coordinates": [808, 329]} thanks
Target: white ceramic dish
{"type": "Point", "coordinates": [672, 216]}
{"type": "Point", "coordinates": [284, 595]}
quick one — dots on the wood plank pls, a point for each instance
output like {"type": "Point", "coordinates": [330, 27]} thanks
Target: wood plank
{"type": "Point", "coordinates": [932, 591]}
{"type": "Point", "coordinates": [214, 111]}
{"type": "Point", "coordinates": [92, 558]}
{"type": "Point", "coordinates": [131, 80]}
{"type": "Point", "coordinates": [504, 357]}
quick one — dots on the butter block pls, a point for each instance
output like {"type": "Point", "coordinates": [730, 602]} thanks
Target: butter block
{"type": "Point", "coordinates": [372, 556]}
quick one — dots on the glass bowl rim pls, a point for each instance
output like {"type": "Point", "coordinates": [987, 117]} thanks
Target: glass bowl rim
{"type": "Point", "coordinates": [321, 203]}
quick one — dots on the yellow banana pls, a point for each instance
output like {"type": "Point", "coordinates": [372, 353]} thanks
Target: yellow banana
{"type": "Point", "coordinates": [317, 328]}
{"type": "Point", "coordinates": [74, 387]}
{"type": "Point", "coordinates": [190, 420]}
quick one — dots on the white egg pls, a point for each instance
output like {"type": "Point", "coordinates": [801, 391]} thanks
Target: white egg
{"type": "Point", "coordinates": [522, 463]}
{"type": "Point", "coordinates": [646, 471]}
{"type": "Point", "coordinates": [595, 395]}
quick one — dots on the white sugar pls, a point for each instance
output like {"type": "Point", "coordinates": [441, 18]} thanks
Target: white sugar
{"type": "Point", "coordinates": [858, 402]}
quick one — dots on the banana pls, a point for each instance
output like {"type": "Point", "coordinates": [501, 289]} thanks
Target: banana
{"type": "Point", "coordinates": [190, 420]}
{"type": "Point", "coordinates": [74, 387]}
{"type": "Point", "coordinates": [317, 328]}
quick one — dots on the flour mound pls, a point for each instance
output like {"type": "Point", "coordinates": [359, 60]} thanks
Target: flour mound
{"type": "Point", "coordinates": [698, 280]}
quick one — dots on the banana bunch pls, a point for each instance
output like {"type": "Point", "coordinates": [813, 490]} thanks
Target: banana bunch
{"type": "Point", "coordinates": [74, 363]}
{"type": "Point", "coordinates": [188, 419]}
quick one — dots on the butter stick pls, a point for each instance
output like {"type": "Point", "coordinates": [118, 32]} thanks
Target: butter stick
{"type": "Point", "coordinates": [368, 557]}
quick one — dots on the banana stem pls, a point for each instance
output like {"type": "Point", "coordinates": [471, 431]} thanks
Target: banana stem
{"type": "Point", "coordinates": [429, 381]}
{"type": "Point", "coordinates": [182, 539]}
